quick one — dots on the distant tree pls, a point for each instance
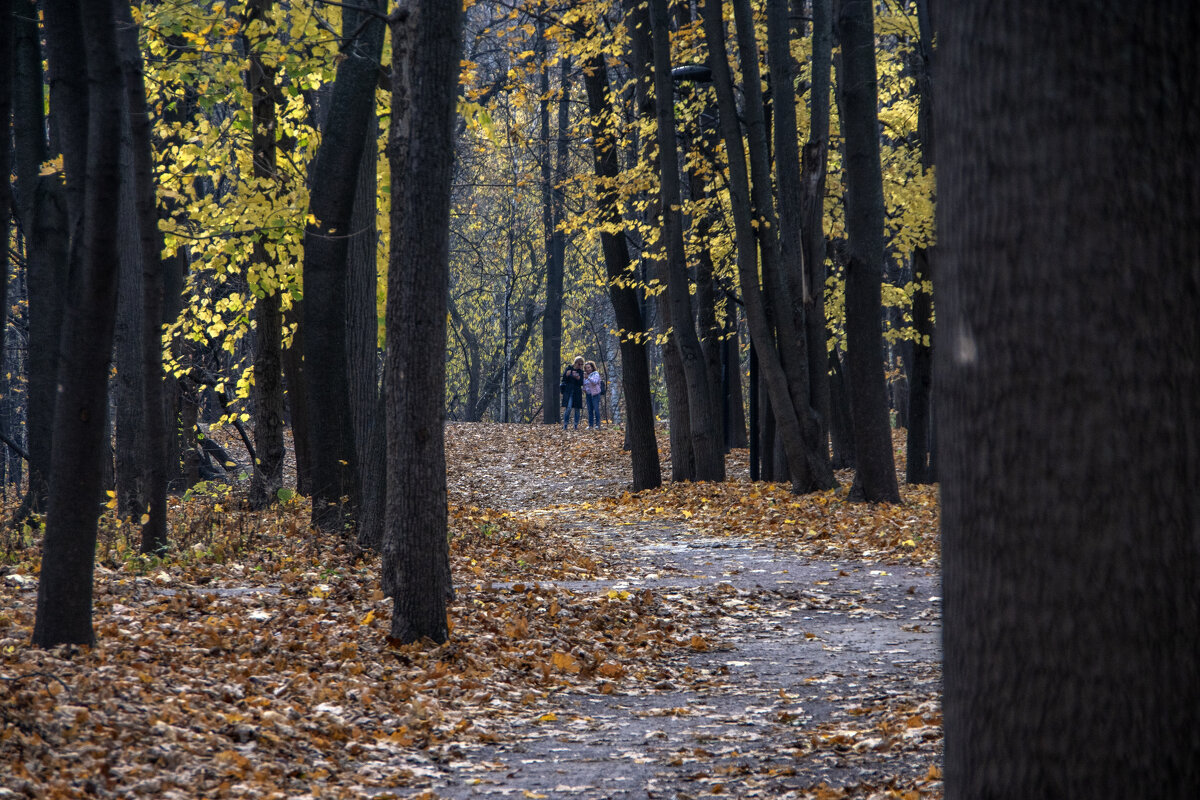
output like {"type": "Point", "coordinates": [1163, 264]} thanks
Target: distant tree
{"type": "Point", "coordinates": [426, 43]}
{"type": "Point", "coordinates": [81, 40]}
{"type": "Point", "coordinates": [1068, 367]}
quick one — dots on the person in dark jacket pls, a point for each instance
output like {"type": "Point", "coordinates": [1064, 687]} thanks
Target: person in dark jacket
{"type": "Point", "coordinates": [571, 387]}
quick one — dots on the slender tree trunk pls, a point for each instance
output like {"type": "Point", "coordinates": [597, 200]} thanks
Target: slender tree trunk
{"type": "Point", "coordinates": [43, 212]}
{"type": "Point", "coordinates": [426, 42]}
{"type": "Point", "coordinates": [267, 473]}
{"type": "Point", "coordinates": [683, 461]}
{"type": "Point", "coordinates": [326, 247]}
{"type": "Point", "coordinates": [920, 373]}
{"type": "Point", "coordinates": [91, 163]}
{"type": "Point", "coordinates": [555, 251]}
{"type": "Point", "coordinates": [875, 467]}
{"type": "Point", "coordinates": [7, 42]}
{"type": "Point", "coordinates": [792, 283]}
{"type": "Point", "coordinates": [703, 398]}
{"type": "Point", "coordinates": [149, 245]}
{"type": "Point", "coordinates": [759, 319]}
{"type": "Point", "coordinates": [1068, 377]}
{"type": "Point", "coordinates": [362, 336]}
{"type": "Point", "coordinates": [296, 397]}
{"type": "Point", "coordinates": [813, 221]}
{"type": "Point", "coordinates": [635, 369]}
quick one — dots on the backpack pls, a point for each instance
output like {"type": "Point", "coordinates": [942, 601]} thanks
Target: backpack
{"type": "Point", "coordinates": [603, 386]}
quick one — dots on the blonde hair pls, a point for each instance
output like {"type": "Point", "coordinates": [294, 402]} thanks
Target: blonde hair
{"type": "Point", "coordinates": [577, 359]}
{"type": "Point", "coordinates": [591, 364]}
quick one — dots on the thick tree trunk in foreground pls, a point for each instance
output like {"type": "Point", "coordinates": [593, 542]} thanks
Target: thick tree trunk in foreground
{"type": "Point", "coordinates": [1068, 376]}
{"type": "Point", "coordinates": [635, 369]}
{"type": "Point", "coordinates": [64, 608]}
{"type": "Point", "coordinates": [426, 43]}
{"type": "Point", "coordinates": [875, 466]}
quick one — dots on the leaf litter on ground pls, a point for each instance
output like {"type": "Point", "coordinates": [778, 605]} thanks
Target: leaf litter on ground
{"type": "Point", "coordinates": [253, 659]}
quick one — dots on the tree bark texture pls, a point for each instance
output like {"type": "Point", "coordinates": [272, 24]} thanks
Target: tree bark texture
{"type": "Point", "coordinates": [426, 43]}
{"type": "Point", "coordinates": [64, 608]}
{"type": "Point", "coordinates": [267, 474]}
{"type": "Point", "coordinates": [7, 41]}
{"type": "Point", "coordinates": [759, 318]}
{"type": "Point", "coordinates": [920, 462]}
{"type": "Point", "coordinates": [42, 208]}
{"type": "Point", "coordinates": [653, 258]}
{"type": "Point", "coordinates": [149, 245]}
{"type": "Point", "coordinates": [875, 466]}
{"type": "Point", "coordinates": [326, 247]}
{"type": "Point", "coordinates": [553, 239]}
{"type": "Point", "coordinates": [815, 158]}
{"type": "Point", "coordinates": [708, 447]}
{"type": "Point", "coordinates": [1068, 369]}
{"type": "Point", "coordinates": [635, 365]}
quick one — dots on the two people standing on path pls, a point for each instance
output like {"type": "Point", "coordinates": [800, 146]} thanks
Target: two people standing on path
{"type": "Point", "coordinates": [581, 379]}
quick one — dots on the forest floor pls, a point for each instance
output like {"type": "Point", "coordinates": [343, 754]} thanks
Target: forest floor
{"type": "Point", "coordinates": [697, 640]}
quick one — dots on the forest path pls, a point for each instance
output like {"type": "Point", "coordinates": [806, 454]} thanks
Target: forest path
{"type": "Point", "coordinates": [802, 672]}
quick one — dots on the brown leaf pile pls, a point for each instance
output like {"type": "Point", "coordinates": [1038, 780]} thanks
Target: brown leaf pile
{"type": "Point", "coordinates": [253, 662]}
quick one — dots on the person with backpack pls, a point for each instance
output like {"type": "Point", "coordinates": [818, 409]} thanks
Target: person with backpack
{"type": "Point", "coordinates": [593, 387]}
{"type": "Point", "coordinates": [571, 387]}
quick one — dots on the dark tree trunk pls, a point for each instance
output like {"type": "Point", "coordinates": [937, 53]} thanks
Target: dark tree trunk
{"type": "Point", "coordinates": [7, 40]}
{"type": "Point", "coordinates": [127, 384]}
{"type": "Point", "coordinates": [267, 472]}
{"type": "Point", "coordinates": [425, 49]}
{"type": "Point", "coordinates": [91, 164]}
{"type": "Point", "coordinates": [1067, 379]}
{"type": "Point", "coordinates": [296, 397]}
{"type": "Point", "coordinates": [555, 241]}
{"type": "Point", "coordinates": [759, 316]}
{"type": "Point", "coordinates": [149, 245]}
{"type": "Point", "coordinates": [920, 370]}
{"type": "Point", "coordinates": [43, 212]}
{"type": "Point", "coordinates": [683, 461]}
{"type": "Point", "coordinates": [792, 282]}
{"type": "Point", "coordinates": [816, 152]}
{"type": "Point", "coordinates": [362, 335]}
{"type": "Point", "coordinates": [708, 447]}
{"type": "Point", "coordinates": [875, 466]}
{"type": "Point", "coordinates": [841, 416]}
{"type": "Point", "coordinates": [635, 369]}
{"type": "Point", "coordinates": [326, 247]}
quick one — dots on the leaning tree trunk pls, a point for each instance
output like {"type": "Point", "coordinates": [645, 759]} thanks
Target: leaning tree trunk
{"type": "Point", "coordinates": [1068, 376]}
{"type": "Point", "coordinates": [875, 466]}
{"type": "Point", "coordinates": [425, 50]}
{"type": "Point", "coordinates": [92, 135]}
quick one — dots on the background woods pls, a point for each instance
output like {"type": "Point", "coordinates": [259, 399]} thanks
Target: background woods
{"type": "Point", "coordinates": [627, 181]}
